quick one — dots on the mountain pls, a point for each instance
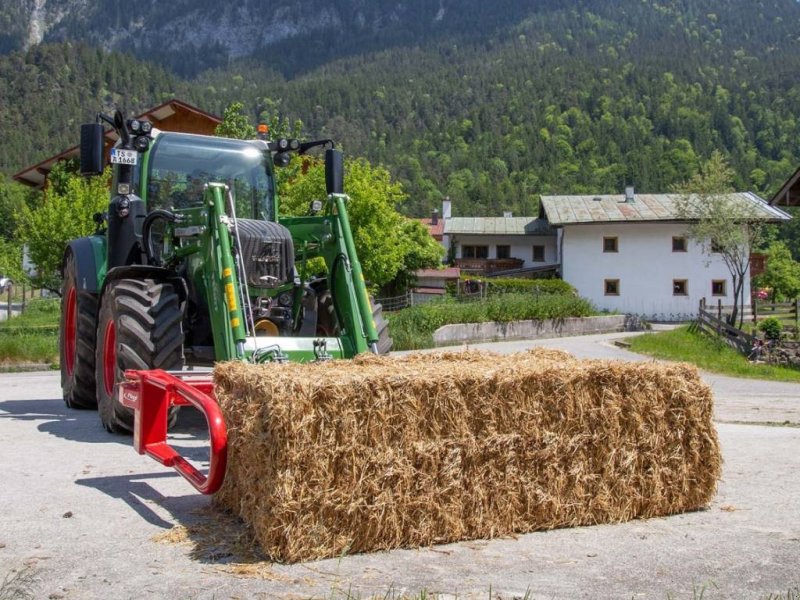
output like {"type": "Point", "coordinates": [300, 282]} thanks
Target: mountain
{"type": "Point", "coordinates": [491, 104]}
{"type": "Point", "coordinates": [191, 35]}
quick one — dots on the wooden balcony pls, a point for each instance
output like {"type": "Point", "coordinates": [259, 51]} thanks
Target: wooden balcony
{"type": "Point", "coordinates": [488, 265]}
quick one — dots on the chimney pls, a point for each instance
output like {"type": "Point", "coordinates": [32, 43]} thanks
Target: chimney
{"type": "Point", "coordinates": [435, 217]}
{"type": "Point", "coordinates": [629, 195]}
{"type": "Point", "coordinates": [446, 207]}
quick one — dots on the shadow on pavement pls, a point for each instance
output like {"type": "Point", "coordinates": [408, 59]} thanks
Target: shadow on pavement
{"type": "Point", "coordinates": [137, 492]}
{"type": "Point", "coordinates": [215, 536]}
{"type": "Point", "coordinates": [80, 425]}
{"type": "Point", "coordinates": [60, 421]}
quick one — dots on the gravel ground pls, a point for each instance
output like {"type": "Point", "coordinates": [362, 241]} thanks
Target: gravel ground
{"type": "Point", "coordinates": [81, 515]}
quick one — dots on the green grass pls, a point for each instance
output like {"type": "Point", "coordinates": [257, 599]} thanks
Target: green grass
{"type": "Point", "coordinates": [412, 328]}
{"type": "Point", "coordinates": [31, 337]}
{"type": "Point", "coordinates": [707, 353]}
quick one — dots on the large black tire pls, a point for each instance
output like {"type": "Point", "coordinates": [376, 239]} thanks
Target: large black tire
{"type": "Point", "coordinates": [77, 340]}
{"type": "Point", "coordinates": [385, 343]}
{"type": "Point", "coordinates": [328, 325]}
{"type": "Point", "coordinates": [140, 327]}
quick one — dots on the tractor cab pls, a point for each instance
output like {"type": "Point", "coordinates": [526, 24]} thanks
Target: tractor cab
{"type": "Point", "coordinates": [179, 166]}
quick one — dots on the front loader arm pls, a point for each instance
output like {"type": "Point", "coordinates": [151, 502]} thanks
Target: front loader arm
{"type": "Point", "coordinates": [365, 335]}
{"type": "Point", "coordinates": [221, 279]}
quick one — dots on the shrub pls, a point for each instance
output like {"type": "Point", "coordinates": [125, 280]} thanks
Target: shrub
{"type": "Point", "coordinates": [518, 285]}
{"type": "Point", "coordinates": [771, 327]}
{"type": "Point", "coordinates": [412, 328]}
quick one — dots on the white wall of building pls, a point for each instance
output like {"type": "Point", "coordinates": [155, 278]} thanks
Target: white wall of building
{"type": "Point", "coordinates": [645, 266]}
{"type": "Point", "coordinates": [521, 246]}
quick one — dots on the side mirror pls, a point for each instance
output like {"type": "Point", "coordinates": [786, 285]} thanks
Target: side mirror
{"type": "Point", "coordinates": [334, 171]}
{"type": "Point", "coordinates": [92, 147]}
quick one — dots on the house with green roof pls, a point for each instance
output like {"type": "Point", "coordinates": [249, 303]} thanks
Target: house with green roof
{"type": "Point", "coordinates": [505, 245]}
{"type": "Point", "coordinates": [631, 253]}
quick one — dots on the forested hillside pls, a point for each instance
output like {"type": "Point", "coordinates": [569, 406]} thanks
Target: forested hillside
{"type": "Point", "coordinates": [569, 97]}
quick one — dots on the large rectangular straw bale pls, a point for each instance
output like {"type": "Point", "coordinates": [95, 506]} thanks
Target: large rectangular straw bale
{"type": "Point", "coordinates": [378, 453]}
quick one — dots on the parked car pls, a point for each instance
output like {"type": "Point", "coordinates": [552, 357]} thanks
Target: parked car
{"type": "Point", "coordinates": [5, 283]}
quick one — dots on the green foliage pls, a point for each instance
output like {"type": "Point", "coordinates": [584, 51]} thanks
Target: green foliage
{"type": "Point", "coordinates": [235, 124]}
{"type": "Point", "coordinates": [59, 218]}
{"type": "Point", "coordinates": [279, 126]}
{"type": "Point", "coordinates": [33, 335]}
{"type": "Point", "coordinates": [519, 285]}
{"type": "Point", "coordinates": [13, 199]}
{"type": "Point", "coordinates": [782, 273]}
{"type": "Point", "coordinates": [707, 353]}
{"type": "Point", "coordinates": [421, 251]}
{"type": "Point", "coordinates": [540, 98]}
{"type": "Point", "coordinates": [724, 226]}
{"type": "Point", "coordinates": [771, 327]}
{"type": "Point", "coordinates": [388, 245]}
{"type": "Point", "coordinates": [413, 327]}
{"type": "Point", "coordinates": [47, 91]}
{"type": "Point", "coordinates": [11, 260]}
{"type": "Point", "coordinates": [41, 314]}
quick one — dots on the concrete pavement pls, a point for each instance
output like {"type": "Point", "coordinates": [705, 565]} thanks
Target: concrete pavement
{"type": "Point", "coordinates": [81, 512]}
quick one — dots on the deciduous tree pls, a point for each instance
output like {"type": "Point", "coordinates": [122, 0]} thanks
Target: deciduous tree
{"type": "Point", "coordinates": [389, 246]}
{"type": "Point", "coordinates": [61, 217]}
{"type": "Point", "coordinates": [722, 223]}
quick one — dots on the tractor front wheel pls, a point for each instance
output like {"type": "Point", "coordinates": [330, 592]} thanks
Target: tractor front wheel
{"type": "Point", "coordinates": [76, 342]}
{"type": "Point", "coordinates": [140, 327]}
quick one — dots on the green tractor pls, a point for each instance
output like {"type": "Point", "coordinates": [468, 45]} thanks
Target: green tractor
{"type": "Point", "coordinates": [193, 263]}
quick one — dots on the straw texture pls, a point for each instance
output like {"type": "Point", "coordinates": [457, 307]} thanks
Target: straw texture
{"type": "Point", "coordinates": [378, 453]}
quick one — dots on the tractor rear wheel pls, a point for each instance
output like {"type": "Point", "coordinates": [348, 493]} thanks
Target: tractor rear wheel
{"type": "Point", "coordinates": [382, 326]}
{"type": "Point", "coordinates": [77, 339]}
{"type": "Point", "coordinates": [327, 324]}
{"type": "Point", "coordinates": [140, 328]}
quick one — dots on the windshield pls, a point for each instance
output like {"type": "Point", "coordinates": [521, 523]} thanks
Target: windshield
{"type": "Point", "coordinates": [181, 164]}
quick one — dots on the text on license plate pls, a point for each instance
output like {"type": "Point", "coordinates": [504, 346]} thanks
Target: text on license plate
{"type": "Point", "coordinates": [124, 157]}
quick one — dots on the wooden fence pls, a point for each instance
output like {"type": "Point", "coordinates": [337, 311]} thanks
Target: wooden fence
{"type": "Point", "coordinates": [713, 320]}
{"type": "Point", "coordinates": [787, 312]}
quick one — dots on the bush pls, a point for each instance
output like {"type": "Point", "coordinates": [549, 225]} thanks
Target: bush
{"type": "Point", "coordinates": [771, 327]}
{"type": "Point", "coordinates": [412, 328]}
{"type": "Point", "coordinates": [519, 285]}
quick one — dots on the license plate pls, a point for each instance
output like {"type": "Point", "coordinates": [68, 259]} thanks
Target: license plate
{"type": "Point", "coordinates": [124, 157]}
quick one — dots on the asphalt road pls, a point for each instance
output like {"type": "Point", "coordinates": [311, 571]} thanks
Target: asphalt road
{"type": "Point", "coordinates": [80, 514]}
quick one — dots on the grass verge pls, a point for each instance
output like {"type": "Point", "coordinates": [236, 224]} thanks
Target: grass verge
{"type": "Point", "coordinates": [32, 337]}
{"type": "Point", "coordinates": [707, 353]}
{"type": "Point", "coordinates": [412, 328]}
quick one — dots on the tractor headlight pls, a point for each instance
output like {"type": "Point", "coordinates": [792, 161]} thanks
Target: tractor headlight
{"type": "Point", "coordinates": [147, 127]}
{"type": "Point", "coordinates": [141, 143]}
{"type": "Point", "coordinates": [134, 125]}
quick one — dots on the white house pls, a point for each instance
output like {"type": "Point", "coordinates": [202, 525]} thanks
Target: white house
{"type": "Point", "coordinates": [490, 244]}
{"type": "Point", "coordinates": [631, 253]}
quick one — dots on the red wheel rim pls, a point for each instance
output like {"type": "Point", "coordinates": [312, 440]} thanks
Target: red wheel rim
{"type": "Point", "coordinates": [109, 358]}
{"type": "Point", "coordinates": [70, 329]}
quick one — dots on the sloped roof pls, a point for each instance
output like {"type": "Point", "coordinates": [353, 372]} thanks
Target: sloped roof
{"type": "Point", "coordinates": [435, 230]}
{"type": "Point", "coordinates": [173, 115]}
{"type": "Point", "coordinates": [789, 194]}
{"type": "Point", "coordinates": [571, 210]}
{"type": "Point", "coordinates": [498, 226]}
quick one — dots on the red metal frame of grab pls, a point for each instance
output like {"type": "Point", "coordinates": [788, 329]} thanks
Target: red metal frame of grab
{"type": "Point", "coordinates": [150, 394]}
